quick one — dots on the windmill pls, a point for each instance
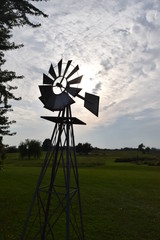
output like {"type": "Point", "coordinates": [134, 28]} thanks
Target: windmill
{"type": "Point", "coordinates": [55, 211]}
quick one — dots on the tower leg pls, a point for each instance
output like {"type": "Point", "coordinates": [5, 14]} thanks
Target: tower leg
{"type": "Point", "coordinates": [68, 177]}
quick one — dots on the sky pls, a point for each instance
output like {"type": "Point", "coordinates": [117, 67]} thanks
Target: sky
{"type": "Point", "coordinates": [117, 47]}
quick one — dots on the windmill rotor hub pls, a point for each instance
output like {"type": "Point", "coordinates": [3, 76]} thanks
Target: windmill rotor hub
{"type": "Point", "coordinates": [59, 85]}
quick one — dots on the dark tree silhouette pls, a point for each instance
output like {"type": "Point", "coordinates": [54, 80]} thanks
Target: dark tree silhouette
{"type": "Point", "coordinates": [23, 150]}
{"type": "Point", "coordinates": [141, 148]}
{"type": "Point", "coordinates": [13, 13]}
{"type": "Point", "coordinates": [2, 154]}
{"type": "Point", "coordinates": [79, 147]}
{"type": "Point", "coordinates": [84, 148]}
{"type": "Point", "coordinates": [46, 144]}
{"type": "Point", "coordinates": [30, 148]}
{"type": "Point", "coordinates": [147, 149]}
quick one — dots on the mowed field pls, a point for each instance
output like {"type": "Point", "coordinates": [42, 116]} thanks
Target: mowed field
{"type": "Point", "coordinates": [120, 201]}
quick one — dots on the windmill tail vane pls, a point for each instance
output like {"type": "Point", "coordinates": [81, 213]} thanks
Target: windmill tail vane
{"type": "Point", "coordinates": [55, 211]}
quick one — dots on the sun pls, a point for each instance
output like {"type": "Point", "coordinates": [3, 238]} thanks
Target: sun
{"type": "Point", "coordinates": [87, 83]}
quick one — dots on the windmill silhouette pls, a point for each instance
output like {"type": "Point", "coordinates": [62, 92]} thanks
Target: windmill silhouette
{"type": "Point", "coordinates": [55, 211]}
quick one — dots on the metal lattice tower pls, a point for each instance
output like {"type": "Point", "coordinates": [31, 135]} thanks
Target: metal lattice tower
{"type": "Point", "coordinates": [55, 211]}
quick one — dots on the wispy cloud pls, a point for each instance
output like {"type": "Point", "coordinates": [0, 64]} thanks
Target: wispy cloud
{"type": "Point", "coordinates": [116, 43]}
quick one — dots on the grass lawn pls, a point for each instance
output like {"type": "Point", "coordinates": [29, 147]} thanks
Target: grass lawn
{"type": "Point", "coordinates": [120, 201]}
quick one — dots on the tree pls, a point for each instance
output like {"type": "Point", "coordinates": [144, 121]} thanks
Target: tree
{"type": "Point", "coordinates": [2, 154]}
{"type": "Point", "coordinates": [5, 87]}
{"type": "Point", "coordinates": [13, 13]}
{"type": "Point", "coordinates": [141, 148]}
{"type": "Point", "coordinates": [22, 150]}
{"type": "Point", "coordinates": [84, 148]}
{"type": "Point", "coordinates": [79, 147]}
{"type": "Point", "coordinates": [46, 144]}
{"type": "Point", "coordinates": [34, 148]}
{"type": "Point", "coordinates": [30, 148]}
{"type": "Point", "coordinates": [147, 149]}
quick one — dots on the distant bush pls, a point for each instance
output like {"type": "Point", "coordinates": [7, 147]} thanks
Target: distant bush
{"type": "Point", "coordinates": [151, 161]}
{"type": "Point", "coordinates": [12, 149]}
{"type": "Point", "coordinates": [126, 160]}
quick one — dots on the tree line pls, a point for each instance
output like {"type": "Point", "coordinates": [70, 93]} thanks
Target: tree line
{"type": "Point", "coordinates": [34, 148]}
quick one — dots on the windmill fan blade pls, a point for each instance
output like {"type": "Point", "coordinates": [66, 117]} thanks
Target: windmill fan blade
{"type": "Point", "coordinates": [42, 99]}
{"type": "Point", "coordinates": [60, 67]}
{"type": "Point", "coordinates": [58, 102]}
{"type": "Point", "coordinates": [75, 80]}
{"type": "Point", "coordinates": [92, 103]}
{"type": "Point", "coordinates": [73, 91]}
{"type": "Point", "coordinates": [50, 101]}
{"type": "Point", "coordinates": [67, 66]}
{"type": "Point", "coordinates": [52, 72]}
{"type": "Point", "coordinates": [47, 80]}
{"type": "Point", "coordinates": [73, 71]}
{"type": "Point", "coordinates": [46, 91]}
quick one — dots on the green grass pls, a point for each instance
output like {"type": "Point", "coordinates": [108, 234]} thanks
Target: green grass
{"type": "Point", "coordinates": [119, 200]}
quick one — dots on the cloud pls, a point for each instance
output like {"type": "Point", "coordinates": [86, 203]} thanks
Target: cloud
{"type": "Point", "coordinates": [97, 88]}
{"type": "Point", "coordinates": [116, 45]}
